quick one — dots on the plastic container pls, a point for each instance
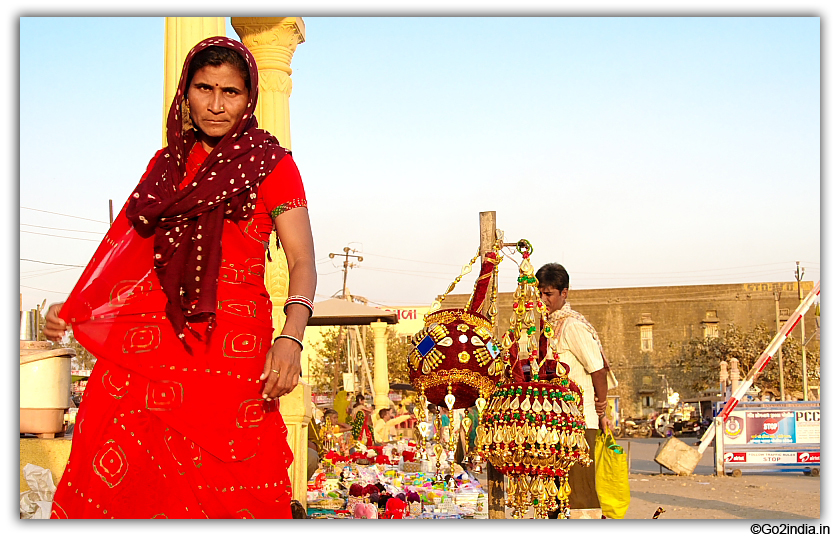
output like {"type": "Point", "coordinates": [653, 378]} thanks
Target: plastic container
{"type": "Point", "coordinates": [44, 387]}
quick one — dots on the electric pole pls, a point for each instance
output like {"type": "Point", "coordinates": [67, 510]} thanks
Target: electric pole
{"type": "Point", "coordinates": [778, 294]}
{"type": "Point", "coordinates": [347, 266]}
{"type": "Point", "coordinates": [799, 275]}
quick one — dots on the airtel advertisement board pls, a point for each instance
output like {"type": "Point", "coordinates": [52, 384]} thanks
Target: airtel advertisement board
{"type": "Point", "coordinates": [773, 427]}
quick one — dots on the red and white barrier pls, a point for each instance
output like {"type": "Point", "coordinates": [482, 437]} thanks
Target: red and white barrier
{"type": "Point", "coordinates": [762, 362]}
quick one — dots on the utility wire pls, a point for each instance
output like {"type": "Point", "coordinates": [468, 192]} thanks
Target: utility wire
{"type": "Point", "coordinates": [50, 271]}
{"type": "Point", "coordinates": [59, 236]}
{"type": "Point", "coordinates": [612, 274]}
{"type": "Point", "coordinates": [45, 290]}
{"type": "Point", "coordinates": [63, 229]}
{"type": "Point", "coordinates": [61, 214]}
{"type": "Point", "coordinates": [413, 260]}
{"type": "Point", "coordinates": [48, 263]}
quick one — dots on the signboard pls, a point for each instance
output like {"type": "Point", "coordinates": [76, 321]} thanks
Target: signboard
{"type": "Point", "coordinates": [772, 457]}
{"type": "Point", "coordinates": [772, 426]}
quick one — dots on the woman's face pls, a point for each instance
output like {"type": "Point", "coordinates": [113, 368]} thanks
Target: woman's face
{"type": "Point", "coordinates": [218, 97]}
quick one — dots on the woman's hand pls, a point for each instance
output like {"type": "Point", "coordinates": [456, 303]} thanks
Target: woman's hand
{"type": "Point", "coordinates": [282, 369]}
{"type": "Point", "coordinates": [55, 327]}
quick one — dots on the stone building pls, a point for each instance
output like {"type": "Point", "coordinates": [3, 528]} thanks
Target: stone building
{"type": "Point", "coordinates": [638, 325]}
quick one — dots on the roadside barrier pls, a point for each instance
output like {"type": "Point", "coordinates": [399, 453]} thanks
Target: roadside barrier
{"type": "Point", "coordinates": [769, 436]}
{"type": "Point", "coordinates": [760, 364]}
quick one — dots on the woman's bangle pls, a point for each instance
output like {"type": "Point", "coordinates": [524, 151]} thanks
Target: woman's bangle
{"type": "Point", "coordinates": [302, 300]}
{"type": "Point", "coordinates": [293, 338]}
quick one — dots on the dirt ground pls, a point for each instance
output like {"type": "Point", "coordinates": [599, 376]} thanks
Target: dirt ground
{"type": "Point", "coordinates": [779, 496]}
{"type": "Point", "coordinates": [750, 496]}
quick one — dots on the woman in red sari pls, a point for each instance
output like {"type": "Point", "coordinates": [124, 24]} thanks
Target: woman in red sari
{"type": "Point", "coordinates": [180, 416]}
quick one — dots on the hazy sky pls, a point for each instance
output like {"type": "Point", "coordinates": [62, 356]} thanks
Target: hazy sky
{"type": "Point", "coordinates": [635, 151]}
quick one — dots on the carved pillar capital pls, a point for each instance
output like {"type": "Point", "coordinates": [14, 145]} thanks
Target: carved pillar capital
{"type": "Point", "coordinates": [272, 40]}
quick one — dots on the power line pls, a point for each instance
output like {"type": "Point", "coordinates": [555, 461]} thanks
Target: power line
{"type": "Point", "coordinates": [63, 229]}
{"type": "Point", "coordinates": [59, 236]}
{"type": "Point", "coordinates": [624, 275]}
{"type": "Point", "coordinates": [685, 271]}
{"type": "Point", "coordinates": [48, 263]}
{"type": "Point", "coordinates": [414, 260]}
{"type": "Point", "coordinates": [43, 273]}
{"type": "Point", "coordinates": [61, 214]}
{"type": "Point", "coordinates": [45, 290]}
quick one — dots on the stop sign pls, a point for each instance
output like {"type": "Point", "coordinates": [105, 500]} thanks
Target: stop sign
{"type": "Point", "coordinates": [771, 426]}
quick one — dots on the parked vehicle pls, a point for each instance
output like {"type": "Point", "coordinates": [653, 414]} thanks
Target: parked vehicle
{"type": "Point", "coordinates": [636, 428]}
{"type": "Point", "coordinates": [704, 424]}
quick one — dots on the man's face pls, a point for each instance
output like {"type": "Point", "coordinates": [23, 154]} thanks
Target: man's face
{"type": "Point", "coordinates": [552, 298]}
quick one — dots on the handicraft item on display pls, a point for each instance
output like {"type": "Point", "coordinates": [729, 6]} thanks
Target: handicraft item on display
{"type": "Point", "coordinates": [533, 427]}
{"type": "Point", "coordinates": [455, 358]}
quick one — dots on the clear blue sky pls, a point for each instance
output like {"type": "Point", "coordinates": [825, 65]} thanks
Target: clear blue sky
{"type": "Point", "coordinates": [636, 151]}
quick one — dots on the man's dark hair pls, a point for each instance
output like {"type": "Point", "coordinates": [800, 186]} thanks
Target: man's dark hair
{"type": "Point", "coordinates": [553, 275]}
{"type": "Point", "coordinates": [217, 56]}
{"type": "Point", "coordinates": [383, 412]}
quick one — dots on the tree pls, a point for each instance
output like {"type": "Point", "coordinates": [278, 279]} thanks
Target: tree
{"type": "Point", "coordinates": [699, 359]}
{"type": "Point", "coordinates": [325, 373]}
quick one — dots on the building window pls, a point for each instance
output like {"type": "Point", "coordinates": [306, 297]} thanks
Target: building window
{"type": "Point", "coordinates": [647, 401]}
{"type": "Point", "coordinates": [647, 337]}
{"type": "Point", "coordinates": [710, 330]}
{"type": "Point", "coordinates": [710, 324]}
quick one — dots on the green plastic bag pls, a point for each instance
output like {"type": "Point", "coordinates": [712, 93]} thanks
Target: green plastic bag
{"type": "Point", "coordinates": [611, 479]}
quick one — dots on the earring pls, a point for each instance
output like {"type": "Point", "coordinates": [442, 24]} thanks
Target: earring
{"type": "Point", "coordinates": [186, 119]}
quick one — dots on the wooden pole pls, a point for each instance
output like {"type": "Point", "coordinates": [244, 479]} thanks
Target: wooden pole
{"type": "Point", "coordinates": [495, 479]}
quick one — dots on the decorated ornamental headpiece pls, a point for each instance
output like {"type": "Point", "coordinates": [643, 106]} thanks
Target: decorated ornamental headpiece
{"type": "Point", "coordinates": [455, 358]}
{"type": "Point", "coordinates": [533, 427]}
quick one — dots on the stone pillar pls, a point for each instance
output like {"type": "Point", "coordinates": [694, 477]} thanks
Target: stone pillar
{"type": "Point", "coordinates": [724, 375]}
{"type": "Point", "coordinates": [380, 365]}
{"type": "Point", "coordinates": [296, 409]}
{"type": "Point", "coordinates": [272, 41]}
{"type": "Point", "coordinates": [180, 35]}
{"type": "Point", "coordinates": [734, 374]}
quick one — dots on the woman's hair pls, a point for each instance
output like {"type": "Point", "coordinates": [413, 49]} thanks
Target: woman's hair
{"type": "Point", "coordinates": [217, 56]}
{"type": "Point", "coordinates": [553, 275]}
{"type": "Point", "coordinates": [360, 398]}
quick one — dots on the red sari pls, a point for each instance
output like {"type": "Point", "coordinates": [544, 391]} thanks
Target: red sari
{"type": "Point", "coordinates": [162, 433]}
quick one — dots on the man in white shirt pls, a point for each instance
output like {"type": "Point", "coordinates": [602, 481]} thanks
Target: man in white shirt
{"type": "Point", "coordinates": [578, 347]}
{"type": "Point", "coordinates": [384, 430]}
